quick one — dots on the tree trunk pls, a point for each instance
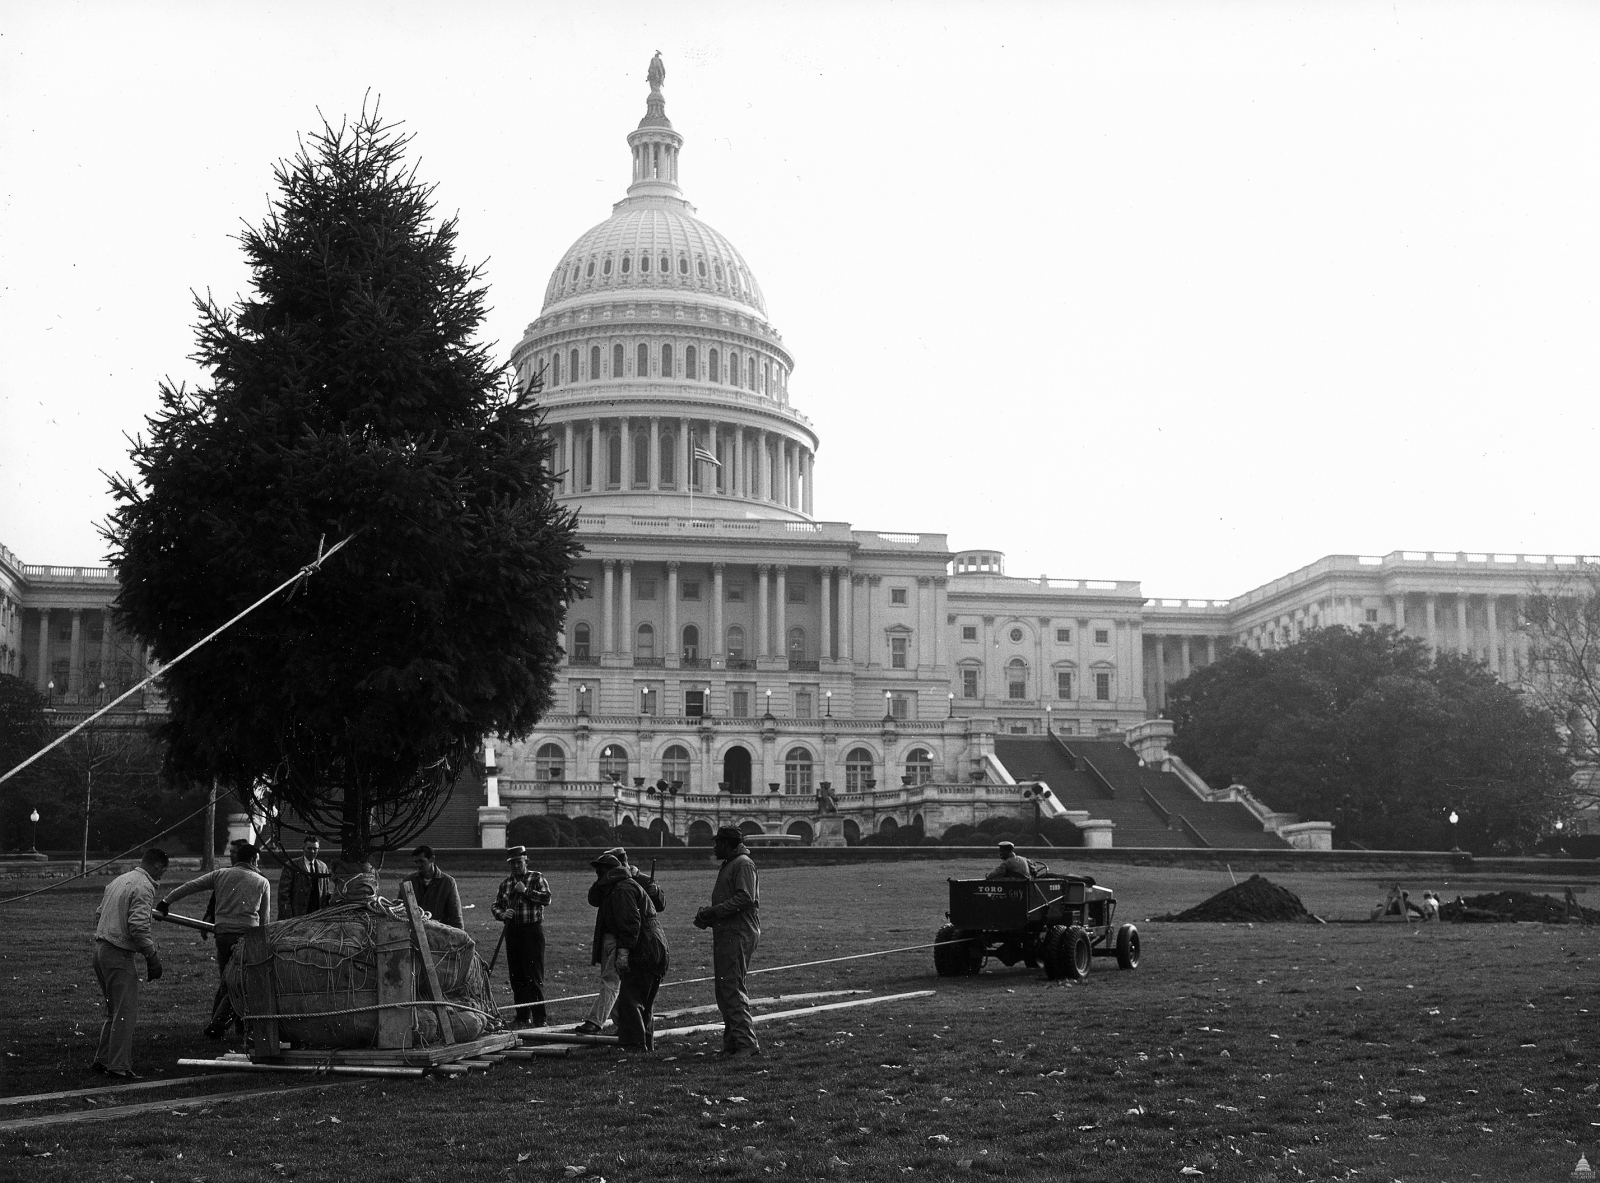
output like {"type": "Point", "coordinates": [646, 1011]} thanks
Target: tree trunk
{"type": "Point", "coordinates": [208, 848]}
{"type": "Point", "coordinates": [355, 825]}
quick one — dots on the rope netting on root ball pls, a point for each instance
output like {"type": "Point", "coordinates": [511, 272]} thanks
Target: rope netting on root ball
{"type": "Point", "coordinates": [1517, 905]}
{"type": "Point", "coordinates": [341, 973]}
{"type": "Point", "coordinates": [1254, 900]}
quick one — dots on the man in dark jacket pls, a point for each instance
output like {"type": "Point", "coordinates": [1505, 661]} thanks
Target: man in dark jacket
{"type": "Point", "coordinates": [303, 882]}
{"type": "Point", "coordinates": [734, 918]}
{"type": "Point", "coordinates": [435, 891]}
{"type": "Point", "coordinates": [604, 950]}
{"type": "Point", "coordinates": [520, 906]}
{"type": "Point", "coordinates": [628, 916]}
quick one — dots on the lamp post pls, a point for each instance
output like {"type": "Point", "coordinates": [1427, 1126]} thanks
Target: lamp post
{"type": "Point", "coordinates": [952, 697]}
{"type": "Point", "coordinates": [828, 695]}
{"type": "Point", "coordinates": [1455, 844]}
{"type": "Point", "coordinates": [33, 840]}
{"type": "Point", "coordinates": [50, 695]}
{"type": "Point", "coordinates": [768, 715]}
{"type": "Point", "coordinates": [888, 704]}
{"type": "Point", "coordinates": [1047, 718]}
{"type": "Point", "coordinates": [644, 695]}
{"type": "Point", "coordinates": [583, 698]}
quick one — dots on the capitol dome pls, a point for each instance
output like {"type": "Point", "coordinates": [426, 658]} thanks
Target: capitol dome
{"type": "Point", "coordinates": [666, 389]}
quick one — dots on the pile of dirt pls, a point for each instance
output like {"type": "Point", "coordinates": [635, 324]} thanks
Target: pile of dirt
{"type": "Point", "coordinates": [1514, 905]}
{"type": "Point", "coordinates": [1256, 899]}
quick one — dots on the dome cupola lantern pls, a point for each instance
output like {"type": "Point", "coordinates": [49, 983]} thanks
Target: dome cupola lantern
{"type": "Point", "coordinates": [655, 145]}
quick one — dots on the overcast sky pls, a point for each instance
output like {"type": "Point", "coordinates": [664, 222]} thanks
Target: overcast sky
{"type": "Point", "coordinates": [1188, 293]}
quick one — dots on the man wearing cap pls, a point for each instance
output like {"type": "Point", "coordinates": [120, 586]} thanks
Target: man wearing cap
{"type": "Point", "coordinates": [122, 929]}
{"type": "Point", "coordinates": [303, 883]}
{"type": "Point", "coordinates": [1012, 865]}
{"type": "Point", "coordinates": [734, 919]}
{"type": "Point", "coordinates": [435, 891]}
{"type": "Point", "coordinates": [520, 905]}
{"type": "Point", "coordinates": [604, 950]}
{"type": "Point", "coordinates": [627, 916]}
{"type": "Point", "coordinates": [244, 901]}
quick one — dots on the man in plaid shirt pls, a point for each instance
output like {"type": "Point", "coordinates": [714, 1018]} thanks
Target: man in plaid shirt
{"type": "Point", "coordinates": [520, 905]}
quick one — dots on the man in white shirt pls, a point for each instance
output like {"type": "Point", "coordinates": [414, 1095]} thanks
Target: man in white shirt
{"type": "Point", "coordinates": [122, 930]}
{"type": "Point", "coordinates": [243, 902]}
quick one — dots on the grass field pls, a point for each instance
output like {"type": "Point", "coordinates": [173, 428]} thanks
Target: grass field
{"type": "Point", "coordinates": [1273, 1052]}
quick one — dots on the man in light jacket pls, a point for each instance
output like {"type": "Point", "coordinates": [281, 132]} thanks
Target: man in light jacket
{"type": "Point", "coordinates": [243, 902]}
{"type": "Point", "coordinates": [122, 930]}
{"type": "Point", "coordinates": [734, 919]}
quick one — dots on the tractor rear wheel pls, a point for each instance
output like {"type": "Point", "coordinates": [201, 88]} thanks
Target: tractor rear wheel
{"type": "Point", "coordinates": [956, 954]}
{"type": "Point", "coordinates": [1128, 947]}
{"type": "Point", "coordinates": [1067, 953]}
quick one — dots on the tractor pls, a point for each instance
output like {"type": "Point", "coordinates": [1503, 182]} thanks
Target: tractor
{"type": "Point", "coordinates": [1061, 922]}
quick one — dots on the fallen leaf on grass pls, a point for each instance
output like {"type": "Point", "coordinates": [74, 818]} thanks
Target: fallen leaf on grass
{"type": "Point", "coordinates": [1191, 1171]}
{"type": "Point", "coordinates": [940, 1138]}
{"type": "Point", "coordinates": [524, 1157]}
{"type": "Point", "coordinates": [572, 1172]}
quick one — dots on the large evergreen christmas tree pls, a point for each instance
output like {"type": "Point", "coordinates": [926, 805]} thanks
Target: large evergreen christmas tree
{"type": "Point", "coordinates": [348, 398]}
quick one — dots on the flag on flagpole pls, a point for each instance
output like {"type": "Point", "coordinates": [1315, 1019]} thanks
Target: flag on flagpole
{"type": "Point", "coordinates": [701, 454]}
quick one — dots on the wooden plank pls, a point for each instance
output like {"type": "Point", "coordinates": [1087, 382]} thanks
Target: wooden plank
{"type": "Point", "coordinates": [152, 1108]}
{"type": "Point", "coordinates": [420, 935]}
{"type": "Point", "coordinates": [805, 1010]}
{"type": "Point", "coordinates": [415, 1057]}
{"type": "Point", "coordinates": [395, 984]}
{"type": "Point", "coordinates": [260, 993]}
{"type": "Point", "coordinates": [101, 1091]}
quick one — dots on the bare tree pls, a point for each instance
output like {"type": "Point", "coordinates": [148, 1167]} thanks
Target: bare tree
{"type": "Point", "coordinates": [1562, 624]}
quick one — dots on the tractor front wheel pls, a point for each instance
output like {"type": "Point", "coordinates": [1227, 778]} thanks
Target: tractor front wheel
{"type": "Point", "coordinates": [955, 953]}
{"type": "Point", "coordinates": [1067, 953]}
{"type": "Point", "coordinates": [1128, 947]}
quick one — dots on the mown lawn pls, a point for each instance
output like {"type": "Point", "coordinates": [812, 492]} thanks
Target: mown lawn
{"type": "Point", "coordinates": [1247, 1053]}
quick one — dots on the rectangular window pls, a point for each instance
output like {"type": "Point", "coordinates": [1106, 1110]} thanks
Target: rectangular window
{"type": "Point", "coordinates": [969, 632]}
{"type": "Point", "coordinates": [644, 589]}
{"type": "Point", "coordinates": [1017, 689]}
{"type": "Point", "coordinates": [1102, 636]}
{"type": "Point", "coordinates": [897, 595]}
{"type": "Point", "coordinates": [741, 704]}
{"type": "Point", "coordinates": [694, 703]}
{"type": "Point", "coordinates": [796, 592]}
{"type": "Point", "coordinates": [96, 636]}
{"type": "Point", "coordinates": [1020, 730]}
{"type": "Point", "coordinates": [969, 683]}
{"type": "Point", "coordinates": [1063, 683]}
{"type": "Point", "coordinates": [1372, 616]}
{"type": "Point", "coordinates": [1102, 687]}
{"type": "Point", "coordinates": [802, 704]}
{"type": "Point", "coordinates": [691, 589]}
{"type": "Point", "coordinates": [735, 593]}
{"type": "Point", "coordinates": [64, 633]}
{"type": "Point", "coordinates": [1063, 636]}
{"type": "Point", "coordinates": [900, 706]}
{"type": "Point", "coordinates": [898, 648]}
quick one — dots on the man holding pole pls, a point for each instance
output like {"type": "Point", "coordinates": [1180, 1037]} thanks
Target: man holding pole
{"type": "Point", "coordinates": [244, 901]}
{"type": "Point", "coordinates": [604, 950]}
{"type": "Point", "coordinates": [520, 905]}
{"type": "Point", "coordinates": [122, 929]}
{"type": "Point", "coordinates": [734, 918]}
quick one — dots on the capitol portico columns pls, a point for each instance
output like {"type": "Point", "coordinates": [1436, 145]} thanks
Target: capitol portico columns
{"type": "Point", "coordinates": [762, 647]}
{"type": "Point", "coordinates": [607, 606]}
{"type": "Point", "coordinates": [44, 650]}
{"type": "Point", "coordinates": [75, 661]}
{"type": "Point", "coordinates": [780, 634]}
{"type": "Point", "coordinates": [655, 453]}
{"type": "Point", "coordinates": [570, 476]}
{"type": "Point", "coordinates": [672, 647]}
{"type": "Point", "coordinates": [1495, 664]}
{"type": "Point", "coordinates": [685, 472]}
{"type": "Point", "coordinates": [711, 446]}
{"type": "Point", "coordinates": [846, 614]}
{"type": "Point", "coordinates": [717, 648]}
{"type": "Point", "coordinates": [738, 486]}
{"type": "Point", "coordinates": [625, 469]}
{"type": "Point", "coordinates": [825, 650]}
{"type": "Point", "coordinates": [1463, 644]}
{"type": "Point", "coordinates": [1161, 671]}
{"type": "Point", "coordinates": [627, 607]}
{"type": "Point", "coordinates": [1433, 624]}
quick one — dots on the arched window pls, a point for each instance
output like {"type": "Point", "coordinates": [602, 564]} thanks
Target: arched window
{"type": "Point", "coordinates": [1016, 678]}
{"type": "Point", "coordinates": [691, 642]}
{"type": "Point", "coordinates": [733, 367]}
{"type": "Point", "coordinates": [614, 458]}
{"type": "Point", "coordinates": [691, 364]}
{"type": "Point", "coordinates": [666, 361]}
{"type": "Point", "coordinates": [616, 361]}
{"type": "Point", "coordinates": [669, 460]}
{"type": "Point", "coordinates": [572, 366]}
{"type": "Point", "coordinates": [641, 460]}
{"type": "Point", "coordinates": [797, 773]}
{"type": "Point", "coordinates": [683, 264]}
{"type": "Point", "coordinates": [613, 762]}
{"type": "Point", "coordinates": [719, 270]}
{"type": "Point", "coordinates": [580, 640]}
{"type": "Point", "coordinates": [641, 363]}
{"type": "Point", "coordinates": [675, 767]}
{"type": "Point", "coordinates": [857, 770]}
{"type": "Point", "coordinates": [594, 363]}
{"type": "Point", "coordinates": [919, 766]}
{"type": "Point", "coordinates": [764, 372]}
{"type": "Point", "coordinates": [644, 265]}
{"type": "Point", "coordinates": [606, 270]}
{"type": "Point", "coordinates": [797, 644]}
{"type": "Point", "coordinates": [750, 373]}
{"type": "Point", "coordinates": [555, 368]}
{"type": "Point", "coordinates": [735, 641]}
{"type": "Point", "coordinates": [627, 264]}
{"type": "Point", "coordinates": [700, 267]}
{"type": "Point", "coordinates": [644, 644]}
{"type": "Point", "coordinates": [665, 265]}
{"type": "Point", "coordinates": [549, 762]}
{"type": "Point", "coordinates": [588, 272]}
{"type": "Point", "coordinates": [713, 370]}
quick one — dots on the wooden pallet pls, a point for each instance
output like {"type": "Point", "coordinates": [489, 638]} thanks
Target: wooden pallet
{"type": "Point", "coordinates": [482, 1049]}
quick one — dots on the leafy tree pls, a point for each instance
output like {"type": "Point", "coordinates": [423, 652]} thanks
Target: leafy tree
{"type": "Point", "coordinates": [1364, 730]}
{"type": "Point", "coordinates": [1562, 624]}
{"type": "Point", "coordinates": [347, 399]}
{"type": "Point", "coordinates": [24, 729]}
